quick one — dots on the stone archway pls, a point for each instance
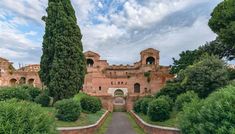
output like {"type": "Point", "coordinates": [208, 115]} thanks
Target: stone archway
{"type": "Point", "coordinates": [31, 82]}
{"type": "Point", "coordinates": [13, 82]}
{"type": "Point", "coordinates": [119, 101]}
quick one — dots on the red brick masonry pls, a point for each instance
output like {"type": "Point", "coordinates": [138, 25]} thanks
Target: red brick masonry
{"type": "Point", "coordinates": [153, 129]}
{"type": "Point", "coordinates": [90, 129]}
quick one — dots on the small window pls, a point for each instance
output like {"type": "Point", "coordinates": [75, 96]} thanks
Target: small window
{"type": "Point", "coordinates": [136, 88]}
{"type": "Point", "coordinates": [111, 83]}
{"type": "Point", "coordinates": [100, 88]}
{"type": "Point", "coordinates": [121, 82]}
{"type": "Point", "coordinates": [118, 83]}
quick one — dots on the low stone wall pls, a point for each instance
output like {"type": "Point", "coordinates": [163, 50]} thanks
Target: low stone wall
{"type": "Point", "coordinates": [153, 129]}
{"type": "Point", "coordinates": [90, 129]}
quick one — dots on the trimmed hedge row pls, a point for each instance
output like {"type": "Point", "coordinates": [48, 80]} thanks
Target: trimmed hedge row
{"type": "Point", "coordinates": [21, 92]}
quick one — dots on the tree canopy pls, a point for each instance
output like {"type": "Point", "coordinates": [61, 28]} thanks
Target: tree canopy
{"type": "Point", "coordinates": [62, 63]}
{"type": "Point", "coordinates": [222, 22]}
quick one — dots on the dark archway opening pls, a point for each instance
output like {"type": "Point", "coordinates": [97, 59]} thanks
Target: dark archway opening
{"type": "Point", "coordinates": [31, 82]}
{"type": "Point", "coordinates": [22, 80]}
{"type": "Point", "coordinates": [118, 92]}
{"type": "Point", "coordinates": [13, 82]}
{"type": "Point", "coordinates": [89, 62]}
{"type": "Point", "coordinates": [150, 61]}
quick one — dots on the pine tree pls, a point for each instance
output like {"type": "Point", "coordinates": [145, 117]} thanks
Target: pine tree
{"type": "Point", "coordinates": [63, 63]}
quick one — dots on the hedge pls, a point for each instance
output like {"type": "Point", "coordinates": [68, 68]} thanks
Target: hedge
{"type": "Point", "coordinates": [90, 104]}
{"type": "Point", "coordinates": [67, 109]}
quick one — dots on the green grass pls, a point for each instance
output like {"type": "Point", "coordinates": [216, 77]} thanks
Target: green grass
{"type": "Point", "coordinates": [135, 126]}
{"type": "Point", "coordinates": [172, 122]}
{"type": "Point", "coordinates": [103, 128]}
{"type": "Point", "coordinates": [84, 119]}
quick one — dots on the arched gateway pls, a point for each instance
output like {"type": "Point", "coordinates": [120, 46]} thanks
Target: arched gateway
{"type": "Point", "coordinates": [119, 102]}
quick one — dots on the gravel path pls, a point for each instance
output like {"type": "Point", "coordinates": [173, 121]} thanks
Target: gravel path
{"type": "Point", "coordinates": [120, 124]}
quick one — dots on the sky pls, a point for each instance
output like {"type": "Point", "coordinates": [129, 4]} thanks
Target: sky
{"type": "Point", "coordinates": [116, 29]}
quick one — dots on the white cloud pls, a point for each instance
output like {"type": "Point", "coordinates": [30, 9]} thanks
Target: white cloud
{"type": "Point", "coordinates": [135, 14]}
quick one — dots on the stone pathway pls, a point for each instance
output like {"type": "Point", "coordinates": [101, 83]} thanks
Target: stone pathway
{"type": "Point", "coordinates": [120, 124]}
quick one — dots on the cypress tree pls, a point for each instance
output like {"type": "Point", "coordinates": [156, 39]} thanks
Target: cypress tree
{"type": "Point", "coordinates": [62, 63]}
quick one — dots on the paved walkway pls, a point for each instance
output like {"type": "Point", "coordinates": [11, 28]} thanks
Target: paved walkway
{"type": "Point", "coordinates": [120, 124]}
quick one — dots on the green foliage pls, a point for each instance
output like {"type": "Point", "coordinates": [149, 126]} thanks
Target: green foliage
{"type": "Point", "coordinates": [214, 115]}
{"type": "Point", "coordinates": [185, 98]}
{"type": "Point", "coordinates": [68, 110]}
{"type": "Point", "coordinates": [14, 92]}
{"type": "Point", "coordinates": [79, 96]}
{"type": "Point", "coordinates": [24, 118]}
{"type": "Point", "coordinates": [231, 73]}
{"type": "Point", "coordinates": [137, 105]}
{"type": "Point", "coordinates": [222, 22]}
{"type": "Point", "coordinates": [33, 91]}
{"type": "Point", "coordinates": [171, 89]}
{"type": "Point", "coordinates": [205, 76]}
{"type": "Point", "coordinates": [144, 105]}
{"type": "Point", "coordinates": [91, 104]}
{"type": "Point", "coordinates": [159, 110]}
{"type": "Point", "coordinates": [43, 99]}
{"type": "Point", "coordinates": [186, 58]}
{"type": "Point", "coordinates": [168, 99]}
{"type": "Point", "coordinates": [62, 63]}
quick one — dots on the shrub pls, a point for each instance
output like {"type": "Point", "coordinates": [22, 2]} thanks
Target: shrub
{"type": "Point", "coordinates": [43, 99]}
{"type": "Point", "coordinates": [137, 105]}
{"type": "Point", "coordinates": [144, 105]}
{"type": "Point", "coordinates": [159, 110]}
{"type": "Point", "coordinates": [14, 92]}
{"type": "Point", "coordinates": [33, 91]}
{"type": "Point", "coordinates": [24, 118]}
{"type": "Point", "coordinates": [79, 96]}
{"type": "Point", "coordinates": [91, 104]}
{"type": "Point", "coordinates": [185, 98]}
{"type": "Point", "coordinates": [168, 99]}
{"type": "Point", "coordinates": [68, 110]}
{"type": "Point", "coordinates": [214, 115]}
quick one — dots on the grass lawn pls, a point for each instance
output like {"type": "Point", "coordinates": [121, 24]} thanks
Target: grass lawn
{"type": "Point", "coordinates": [135, 126]}
{"type": "Point", "coordinates": [84, 119]}
{"type": "Point", "coordinates": [104, 126]}
{"type": "Point", "coordinates": [172, 122]}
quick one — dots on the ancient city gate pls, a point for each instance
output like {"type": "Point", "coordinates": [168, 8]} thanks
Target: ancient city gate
{"type": "Point", "coordinates": [119, 102]}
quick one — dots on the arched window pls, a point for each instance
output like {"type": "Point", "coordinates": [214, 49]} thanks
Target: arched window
{"type": "Point", "coordinates": [13, 82]}
{"type": "Point", "coordinates": [22, 80]}
{"type": "Point", "coordinates": [150, 61]}
{"type": "Point", "coordinates": [31, 81]}
{"type": "Point", "coordinates": [89, 62]}
{"type": "Point", "coordinates": [136, 88]}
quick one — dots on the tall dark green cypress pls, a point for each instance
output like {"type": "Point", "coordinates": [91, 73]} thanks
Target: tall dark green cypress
{"type": "Point", "coordinates": [62, 63]}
